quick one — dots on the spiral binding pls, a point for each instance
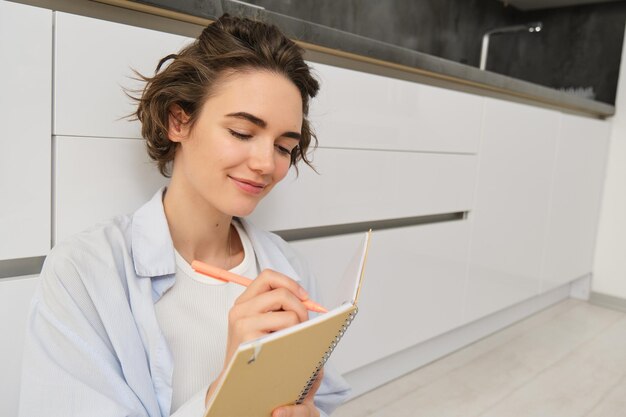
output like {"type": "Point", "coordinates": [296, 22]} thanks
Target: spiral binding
{"type": "Point", "coordinates": [325, 357]}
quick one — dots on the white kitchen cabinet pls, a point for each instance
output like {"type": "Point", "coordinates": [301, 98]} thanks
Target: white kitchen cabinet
{"type": "Point", "coordinates": [365, 111]}
{"type": "Point", "coordinates": [15, 295]}
{"type": "Point", "coordinates": [510, 217]}
{"type": "Point", "coordinates": [412, 291]}
{"type": "Point", "coordinates": [366, 185]}
{"type": "Point", "coordinates": [575, 201]}
{"type": "Point", "coordinates": [94, 61]}
{"type": "Point", "coordinates": [98, 178]}
{"type": "Point", "coordinates": [26, 90]}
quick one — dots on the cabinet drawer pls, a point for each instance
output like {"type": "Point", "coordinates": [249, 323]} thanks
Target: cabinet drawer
{"type": "Point", "coordinates": [26, 94]}
{"type": "Point", "coordinates": [412, 291]}
{"type": "Point", "coordinates": [365, 111]}
{"type": "Point", "coordinates": [98, 178]}
{"type": "Point", "coordinates": [365, 185]}
{"type": "Point", "coordinates": [94, 60]}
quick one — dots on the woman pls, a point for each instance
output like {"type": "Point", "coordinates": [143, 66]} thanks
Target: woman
{"type": "Point", "coordinates": [120, 324]}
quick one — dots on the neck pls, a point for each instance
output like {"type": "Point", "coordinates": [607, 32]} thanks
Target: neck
{"type": "Point", "coordinates": [198, 230]}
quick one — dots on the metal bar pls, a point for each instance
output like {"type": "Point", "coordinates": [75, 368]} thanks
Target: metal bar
{"type": "Point", "coordinates": [344, 229]}
{"type": "Point", "coordinates": [21, 266]}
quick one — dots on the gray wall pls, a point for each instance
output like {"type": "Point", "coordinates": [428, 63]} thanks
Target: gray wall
{"type": "Point", "coordinates": [450, 29]}
{"type": "Point", "coordinates": [579, 46]}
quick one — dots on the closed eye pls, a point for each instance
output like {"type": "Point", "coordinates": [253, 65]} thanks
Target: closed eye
{"type": "Point", "coordinates": [283, 150]}
{"type": "Point", "coordinates": [239, 135]}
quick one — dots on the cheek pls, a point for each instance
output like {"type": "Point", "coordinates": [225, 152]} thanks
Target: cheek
{"type": "Point", "coordinates": [282, 168]}
{"type": "Point", "coordinates": [220, 150]}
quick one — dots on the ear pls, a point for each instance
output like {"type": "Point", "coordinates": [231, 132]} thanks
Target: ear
{"type": "Point", "coordinates": [178, 124]}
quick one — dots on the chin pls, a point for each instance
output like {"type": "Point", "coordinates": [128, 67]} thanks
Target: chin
{"type": "Point", "coordinates": [241, 213]}
{"type": "Point", "coordinates": [242, 210]}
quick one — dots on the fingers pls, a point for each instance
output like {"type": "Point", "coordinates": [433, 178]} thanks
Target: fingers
{"type": "Point", "coordinates": [307, 408]}
{"type": "Point", "coordinates": [302, 410]}
{"type": "Point", "coordinates": [274, 300]}
{"type": "Point", "coordinates": [270, 280]}
{"type": "Point", "coordinates": [253, 327]}
{"type": "Point", "coordinates": [270, 303]}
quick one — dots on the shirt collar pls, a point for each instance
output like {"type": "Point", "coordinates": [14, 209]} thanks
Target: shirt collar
{"type": "Point", "coordinates": [268, 252]}
{"type": "Point", "coordinates": [152, 246]}
{"type": "Point", "coordinates": [153, 249]}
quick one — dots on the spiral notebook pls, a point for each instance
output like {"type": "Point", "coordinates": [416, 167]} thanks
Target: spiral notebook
{"type": "Point", "coordinates": [280, 368]}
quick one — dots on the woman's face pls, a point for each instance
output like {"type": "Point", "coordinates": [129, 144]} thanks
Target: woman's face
{"type": "Point", "coordinates": [239, 147]}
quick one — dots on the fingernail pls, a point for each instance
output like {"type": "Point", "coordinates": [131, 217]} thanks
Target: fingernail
{"type": "Point", "coordinates": [279, 413]}
{"type": "Point", "coordinates": [303, 294]}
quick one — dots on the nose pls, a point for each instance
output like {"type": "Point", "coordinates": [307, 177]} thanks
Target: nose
{"type": "Point", "coordinates": [261, 157]}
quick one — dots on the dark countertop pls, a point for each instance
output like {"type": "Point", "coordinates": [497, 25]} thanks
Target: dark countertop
{"type": "Point", "coordinates": [357, 48]}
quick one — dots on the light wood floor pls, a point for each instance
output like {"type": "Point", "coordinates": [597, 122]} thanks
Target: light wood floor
{"type": "Point", "coordinates": [566, 361]}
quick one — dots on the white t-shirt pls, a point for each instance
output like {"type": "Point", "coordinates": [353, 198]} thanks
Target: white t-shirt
{"type": "Point", "coordinates": [193, 316]}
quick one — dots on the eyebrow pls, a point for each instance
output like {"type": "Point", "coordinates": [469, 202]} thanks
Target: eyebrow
{"type": "Point", "coordinates": [261, 123]}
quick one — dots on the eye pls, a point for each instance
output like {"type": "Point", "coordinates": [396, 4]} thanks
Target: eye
{"type": "Point", "coordinates": [239, 135]}
{"type": "Point", "coordinates": [282, 150]}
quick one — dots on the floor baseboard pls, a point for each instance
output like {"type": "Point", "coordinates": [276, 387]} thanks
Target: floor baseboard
{"type": "Point", "coordinates": [608, 301]}
{"type": "Point", "coordinates": [376, 374]}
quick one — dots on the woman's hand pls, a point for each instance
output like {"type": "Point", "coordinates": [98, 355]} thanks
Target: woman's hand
{"type": "Point", "coordinates": [307, 408]}
{"type": "Point", "coordinates": [271, 302]}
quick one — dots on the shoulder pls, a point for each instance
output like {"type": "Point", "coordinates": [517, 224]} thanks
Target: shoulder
{"type": "Point", "coordinates": [279, 251]}
{"type": "Point", "coordinates": [285, 248]}
{"type": "Point", "coordinates": [272, 242]}
{"type": "Point", "coordinates": [100, 241]}
{"type": "Point", "coordinates": [88, 255]}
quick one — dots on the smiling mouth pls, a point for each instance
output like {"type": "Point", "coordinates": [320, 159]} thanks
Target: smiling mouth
{"type": "Point", "coordinates": [250, 187]}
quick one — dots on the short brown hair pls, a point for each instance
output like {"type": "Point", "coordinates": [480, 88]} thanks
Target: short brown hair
{"type": "Point", "coordinates": [228, 44]}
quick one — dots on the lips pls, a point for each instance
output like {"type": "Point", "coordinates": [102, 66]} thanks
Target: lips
{"type": "Point", "coordinates": [248, 186]}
